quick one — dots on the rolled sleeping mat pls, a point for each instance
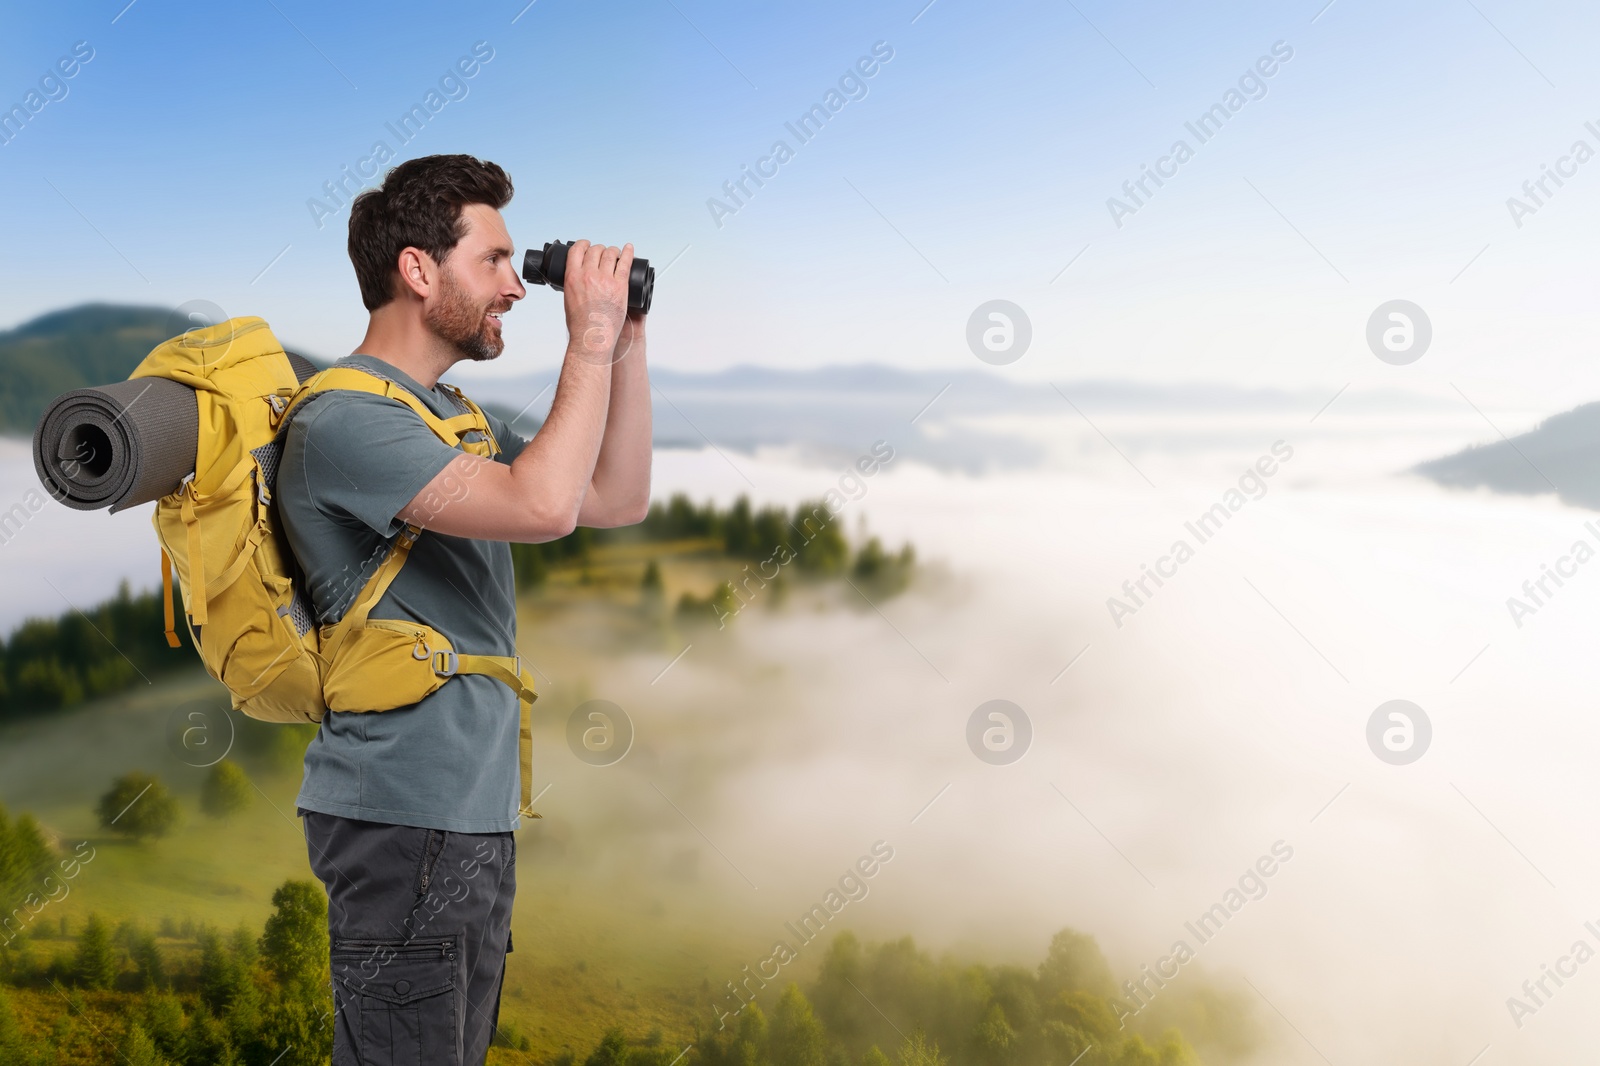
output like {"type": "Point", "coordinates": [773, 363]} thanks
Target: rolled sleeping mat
{"type": "Point", "coordinates": [120, 445]}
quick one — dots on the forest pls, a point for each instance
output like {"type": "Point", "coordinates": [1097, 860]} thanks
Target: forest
{"type": "Point", "coordinates": [83, 992]}
{"type": "Point", "coordinates": [54, 662]}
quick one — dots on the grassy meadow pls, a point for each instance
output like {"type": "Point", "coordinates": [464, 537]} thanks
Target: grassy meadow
{"type": "Point", "coordinates": [631, 929]}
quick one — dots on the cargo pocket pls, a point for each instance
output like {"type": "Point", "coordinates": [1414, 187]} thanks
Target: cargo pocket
{"type": "Point", "coordinates": [432, 846]}
{"type": "Point", "coordinates": [397, 999]}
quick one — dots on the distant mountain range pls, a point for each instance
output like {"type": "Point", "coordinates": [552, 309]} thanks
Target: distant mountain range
{"type": "Point", "coordinates": [1560, 455]}
{"type": "Point", "coordinates": [952, 419]}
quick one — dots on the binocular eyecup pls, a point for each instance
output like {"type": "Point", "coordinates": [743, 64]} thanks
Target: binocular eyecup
{"type": "Point", "coordinates": [548, 266]}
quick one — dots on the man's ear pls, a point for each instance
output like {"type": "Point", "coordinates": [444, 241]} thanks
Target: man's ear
{"type": "Point", "coordinates": [418, 271]}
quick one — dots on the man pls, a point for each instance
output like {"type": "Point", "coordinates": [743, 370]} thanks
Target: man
{"type": "Point", "coordinates": [409, 812]}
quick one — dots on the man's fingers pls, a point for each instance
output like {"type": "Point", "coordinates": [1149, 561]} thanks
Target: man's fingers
{"type": "Point", "coordinates": [575, 255]}
{"type": "Point", "coordinates": [603, 266]}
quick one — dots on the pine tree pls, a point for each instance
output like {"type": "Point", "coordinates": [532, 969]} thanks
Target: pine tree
{"type": "Point", "coordinates": [611, 1051]}
{"type": "Point", "coordinates": [24, 855]}
{"type": "Point", "coordinates": [95, 965]}
{"type": "Point", "coordinates": [797, 1037]}
{"type": "Point", "coordinates": [148, 965]}
{"type": "Point", "coordinates": [220, 980]}
{"type": "Point", "coordinates": [206, 1040]}
{"type": "Point", "coordinates": [161, 1015]}
{"type": "Point", "coordinates": [245, 946]}
{"type": "Point", "coordinates": [137, 1049]}
{"type": "Point", "coordinates": [919, 1051]}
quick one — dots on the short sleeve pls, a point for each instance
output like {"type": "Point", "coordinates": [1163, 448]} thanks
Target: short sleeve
{"type": "Point", "coordinates": [365, 457]}
{"type": "Point", "coordinates": [511, 443]}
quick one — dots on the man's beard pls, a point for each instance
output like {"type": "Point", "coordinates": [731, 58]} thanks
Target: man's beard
{"type": "Point", "coordinates": [461, 322]}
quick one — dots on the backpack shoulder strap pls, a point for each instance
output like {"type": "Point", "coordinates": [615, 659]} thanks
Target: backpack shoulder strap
{"type": "Point", "coordinates": [449, 430]}
{"type": "Point", "coordinates": [466, 404]}
{"type": "Point", "coordinates": [356, 616]}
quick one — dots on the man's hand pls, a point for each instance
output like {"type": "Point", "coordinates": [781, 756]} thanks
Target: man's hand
{"type": "Point", "coordinates": [595, 294]}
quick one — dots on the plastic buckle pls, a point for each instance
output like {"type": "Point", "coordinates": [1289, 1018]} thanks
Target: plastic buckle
{"type": "Point", "coordinates": [448, 659]}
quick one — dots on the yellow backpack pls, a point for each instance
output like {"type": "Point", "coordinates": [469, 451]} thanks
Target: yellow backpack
{"type": "Point", "coordinates": [249, 613]}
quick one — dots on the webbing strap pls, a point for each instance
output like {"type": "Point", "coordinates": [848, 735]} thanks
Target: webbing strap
{"type": "Point", "coordinates": [465, 403]}
{"type": "Point", "coordinates": [240, 561]}
{"type": "Point", "coordinates": [356, 616]}
{"type": "Point", "coordinates": [199, 587]}
{"type": "Point", "coordinates": [508, 670]}
{"type": "Point", "coordinates": [197, 562]}
{"type": "Point", "coordinates": [166, 600]}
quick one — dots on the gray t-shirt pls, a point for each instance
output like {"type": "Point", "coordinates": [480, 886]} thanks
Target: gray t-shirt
{"type": "Point", "coordinates": [351, 461]}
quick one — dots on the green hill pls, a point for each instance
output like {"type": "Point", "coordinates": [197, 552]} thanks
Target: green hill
{"type": "Point", "coordinates": [71, 349]}
{"type": "Point", "coordinates": [94, 344]}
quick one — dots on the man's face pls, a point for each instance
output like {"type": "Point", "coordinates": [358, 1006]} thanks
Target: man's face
{"type": "Point", "coordinates": [477, 282]}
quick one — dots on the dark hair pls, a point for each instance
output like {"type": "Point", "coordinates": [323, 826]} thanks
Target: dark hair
{"type": "Point", "coordinates": [419, 206]}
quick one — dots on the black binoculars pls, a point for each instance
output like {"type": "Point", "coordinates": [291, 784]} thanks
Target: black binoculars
{"type": "Point", "coordinates": [549, 267]}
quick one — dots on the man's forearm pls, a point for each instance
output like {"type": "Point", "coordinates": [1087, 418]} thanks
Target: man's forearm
{"type": "Point", "coordinates": [620, 491]}
{"type": "Point", "coordinates": [562, 454]}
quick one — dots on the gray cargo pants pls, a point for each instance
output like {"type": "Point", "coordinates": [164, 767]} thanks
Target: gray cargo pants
{"type": "Point", "coordinates": [419, 925]}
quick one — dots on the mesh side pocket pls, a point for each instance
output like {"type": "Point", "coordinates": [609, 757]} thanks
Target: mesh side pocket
{"type": "Point", "coordinates": [267, 456]}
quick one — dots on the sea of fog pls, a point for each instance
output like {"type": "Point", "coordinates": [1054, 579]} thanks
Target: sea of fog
{"type": "Point", "coordinates": [1215, 720]}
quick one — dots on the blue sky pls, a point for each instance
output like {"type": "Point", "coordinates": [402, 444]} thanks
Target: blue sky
{"type": "Point", "coordinates": [979, 162]}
